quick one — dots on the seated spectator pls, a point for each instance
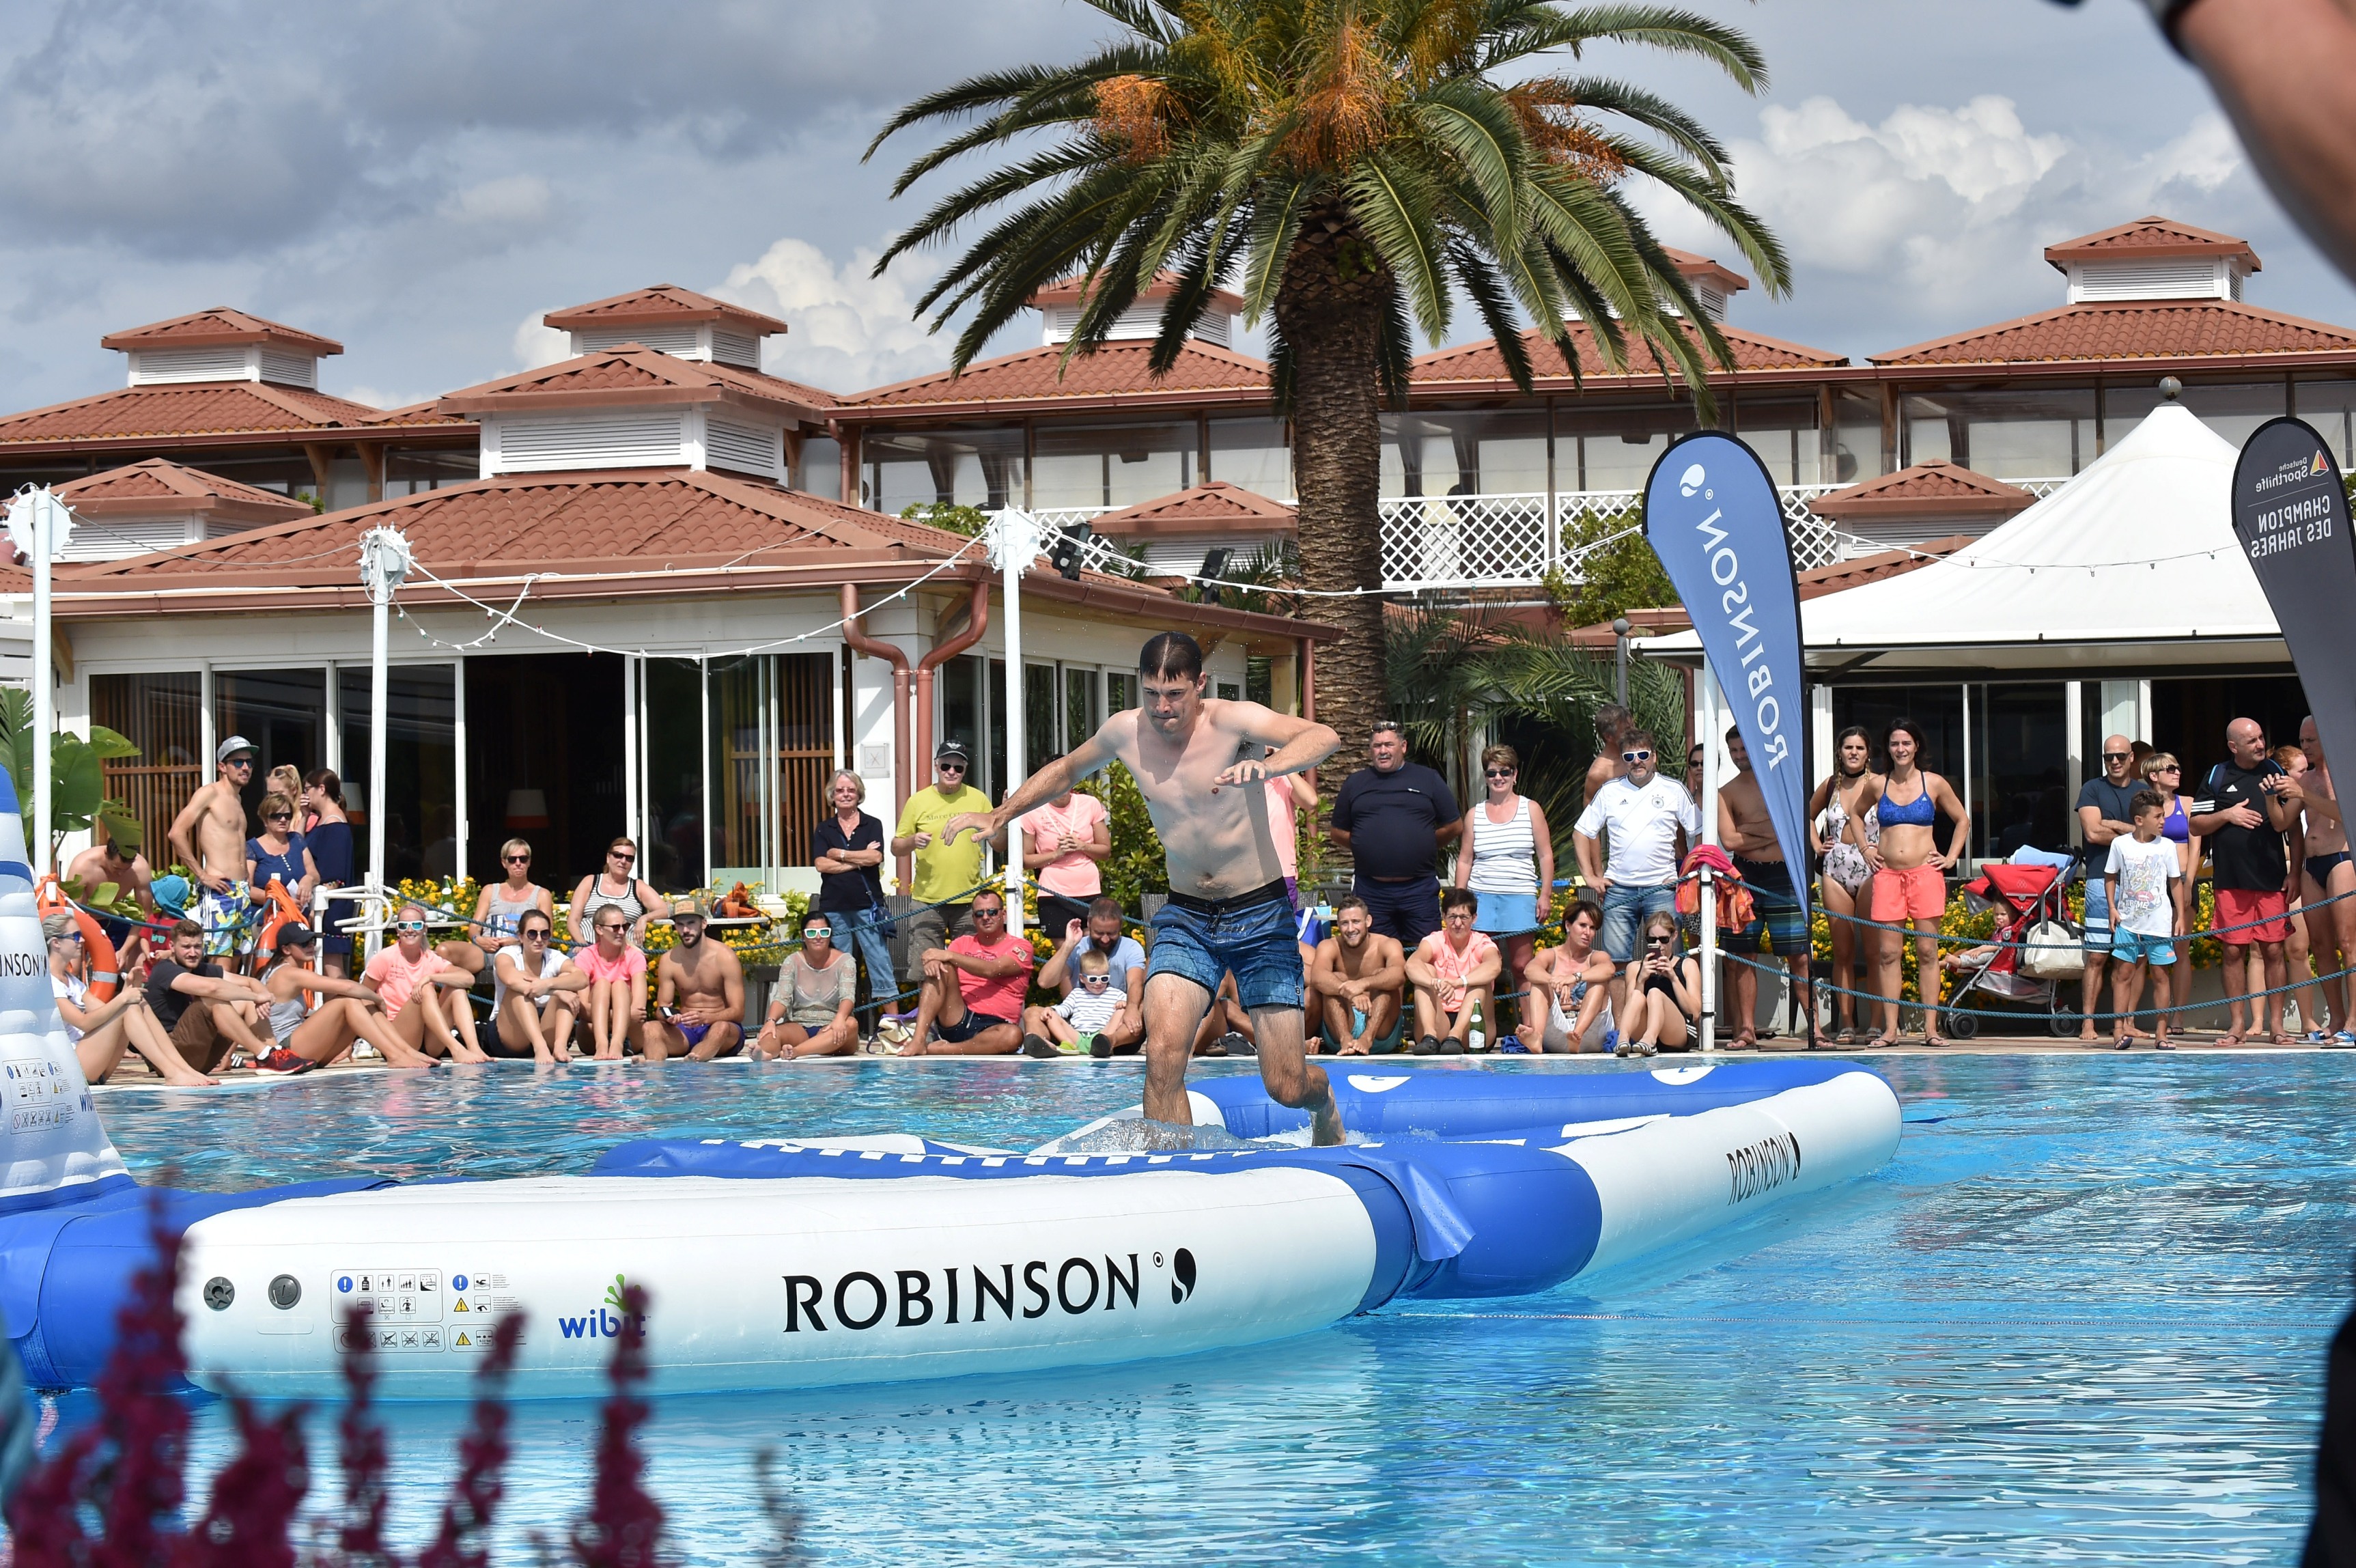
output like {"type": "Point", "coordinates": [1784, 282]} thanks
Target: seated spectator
{"type": "Point", "coordinates": [1571, 986]}
{"type": "Point", "coordinates": [1227, 1029]}
{"type": "Point", "coordinates": [617, 984]}
{"type": "Point", "coordinates": [1124, 960]}
{"type": "Point", "coordinates": [1357, 982]}
{"type": "Point", "coordinates": [311, 1036]}
{"type": "Point", "coordinates": [618, 885]}
{"type": "Point", "coordinates": [500, 907]}
{"type": "Point", "coordinates": [119, 862]}
{"type": "Point", "coordinates": [203, 1010]}
{"type": "Point", "coordinates": [1062, 842]}
{"type": "Point", "coordinates": [537, 994]}
{"type": "Point", "coordinates": [442, 1021]}
{"type": "Point", "coordinates": [973, 989]}
{"type": "Point", "coordinates": [1664, 989]}
{"type": "Point", "coordinates": [101, 1031]}
{"type": "Point", "coordinates": [1453, 972]}
{"type": "Point", "coordinates": [1078, 1022]}
{"type": "Point", "coordinates": [810, 1014]}
{"type": "Point", "coordinates": [699, 993]}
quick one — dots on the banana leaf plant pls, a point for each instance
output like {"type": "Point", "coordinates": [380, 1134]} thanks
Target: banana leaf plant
{"type": "Point", "coordinates": [78, 797]}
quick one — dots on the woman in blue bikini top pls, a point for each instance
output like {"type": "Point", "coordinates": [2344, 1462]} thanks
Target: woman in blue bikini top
{"type": "Point", "coordinates": [1909, 885]}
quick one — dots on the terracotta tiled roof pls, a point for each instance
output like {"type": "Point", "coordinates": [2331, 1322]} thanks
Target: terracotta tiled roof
{"type": "Point", "coordinates": [193, 409]}
{"type": "Point", "coordinates": [1112, 375]}
{"type": "Point", "coordinates": [1481, 362]}
{"type": "Point", "coordinates": [217, 325]}
{"type": "Point", "coordinates": [1873, 568]}
{"type": "Point", "coordinates": [417, 413]}
{"type": "Point", "coordinates": [2132, 330]}
{"type": "Point", "coordinates": [632, 373]}
{"type": "Point", "coordinates": [159, 485]}
{"type": "Point", "coordinates": [1072, 290]}
{"type": "Point", "coordinates": [1932, 489]}
{"type": "Point", "coordinates": [665, 303]}
{"type": "Point", "coordinates": [1212, 507]}
{"type": "Point", "coordinates": [638, 520]}
{"type": "Point", "coordinates": [2154, 237]}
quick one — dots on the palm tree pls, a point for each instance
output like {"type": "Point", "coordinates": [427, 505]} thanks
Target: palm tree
{"type": "Point", "coordinates": [1349, 166]}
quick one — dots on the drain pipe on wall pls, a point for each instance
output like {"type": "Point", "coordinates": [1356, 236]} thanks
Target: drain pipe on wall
{"type": "Point", "coordinates": [977, 623]}
{"type": "Point", "coordinates": [855, 637]}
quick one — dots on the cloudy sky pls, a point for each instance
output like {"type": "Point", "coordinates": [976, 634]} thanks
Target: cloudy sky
{"type": "Point", "coordinates": [421, 180]}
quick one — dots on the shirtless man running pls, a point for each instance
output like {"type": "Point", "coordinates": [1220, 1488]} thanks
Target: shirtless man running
{"type": "Point", "coordinates": [1358, 977]}
{"type": "Point", "coordinates": [209, 837]}
{"type": "Point", "coordinates": [2329, 873]}
{"type": "Point", "coordinates": [1227, 910]}
{"type": "Point", "coordinates": [1748, 834]}
{"type": "Point", "coordinates": [698, 995]}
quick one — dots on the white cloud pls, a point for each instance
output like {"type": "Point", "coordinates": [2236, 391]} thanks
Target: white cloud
{"type": "Point", "coordinates": [850, 331]}
{"type": "Point", "coordinates": [515, 201]}
{"type": "Point", "coordinates": [537, 343]}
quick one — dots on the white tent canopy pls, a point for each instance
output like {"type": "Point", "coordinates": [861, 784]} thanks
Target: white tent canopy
{"type": "Point", "coordinates": [2131, 565]}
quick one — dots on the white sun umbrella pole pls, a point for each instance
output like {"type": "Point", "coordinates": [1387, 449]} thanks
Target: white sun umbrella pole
{"type": "Point", "coordinates": [384, 565]}
{"type": "Point", "coordinates": [38, 525]}
{"type": "Point", "coordinates": [1013, 541]}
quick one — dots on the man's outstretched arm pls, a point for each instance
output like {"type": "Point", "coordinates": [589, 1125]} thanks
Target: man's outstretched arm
{"type": "Point", "coordinates": [1051, 780]}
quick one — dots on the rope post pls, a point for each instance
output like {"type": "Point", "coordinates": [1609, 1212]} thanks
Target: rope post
{"type": "Point", "coordinates": [385, 566]}
{"type": "Point", "coordinates": [1012, 543]}
{"type": "Point", "coordinates": [1707, 696]}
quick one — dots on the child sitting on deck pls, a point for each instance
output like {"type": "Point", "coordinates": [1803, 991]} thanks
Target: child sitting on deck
{"type": "Point", "coordinates": [1074, 1023]}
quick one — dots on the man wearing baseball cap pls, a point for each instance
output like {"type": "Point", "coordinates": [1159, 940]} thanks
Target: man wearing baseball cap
{"type": "Point", "coordinates": [947, 874]}
{"type": "Point", "coordinates": [209, 837]}
{"type": "Point", "coordinates": [699, 993]}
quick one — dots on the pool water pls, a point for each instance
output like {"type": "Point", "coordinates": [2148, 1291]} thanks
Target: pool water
{"type": "Point", "coordinates": [2080, 1317]}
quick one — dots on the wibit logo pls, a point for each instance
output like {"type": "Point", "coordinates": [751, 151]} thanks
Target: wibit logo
{"type": "Point", "coordinates": [1182, 1276]}
{"type": "Point", "coordinates": [602, 1324]}
{"type": "Point", "coordinates": [1691, 481]}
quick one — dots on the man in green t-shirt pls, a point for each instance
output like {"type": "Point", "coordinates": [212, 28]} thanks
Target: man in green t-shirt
{"type": "Point", "coordinates": [947, 872]}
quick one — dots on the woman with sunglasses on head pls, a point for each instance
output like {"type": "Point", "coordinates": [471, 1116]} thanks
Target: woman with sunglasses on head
{"type": "Point", "coordinates": [315, 1016]}
{"type": "Point", "coordinates": [500, 907]}
{"type": "Point", "coordinates": [1909, 880]}
{"type": "Point", "coordinates": [1847, 875]}
{"type": "Point", "coordinates": [1664, 993]}
{"type": "Point", "coordinates": [278, 854]}
{"type": "Point", "coordinates": [618, 885]}
{"type": "Point", "coordinates": [617, 984]}
{"type": "Point", "coordinates": [329, 839]}
{"type": "Point", "coordinates": [1508, 865]}
{"type": "Point", "coordinates": [809, 1015]}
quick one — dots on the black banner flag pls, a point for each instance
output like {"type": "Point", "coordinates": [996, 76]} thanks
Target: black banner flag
{"type": "Point", "coordinates": [2290, 512]}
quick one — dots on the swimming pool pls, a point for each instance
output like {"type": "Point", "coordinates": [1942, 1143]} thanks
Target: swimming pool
{"type": "Point", "coordinates": [2079, 1316]}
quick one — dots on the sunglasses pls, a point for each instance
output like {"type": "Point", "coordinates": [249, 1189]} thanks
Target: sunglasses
{"type": "Point", "coordinates": [69, 937]}
{"type": "Point", "coordinates": [811, 931]}
{"type": "Point", "coordinates": [2170, 767]}
{"type": "Point", "coordinates": [989, 914]}
{"type": "Point", "coordinates": [1498, 772]}
{"type": "Point", "coordinates": [1095, 980]}
{"type": "Point", "coordinates": [606, 927]}
{"type": "Point", "coordinates": [1636, 757]}
{"type": "Point", "coordinates": [948, 767]}
{"type": "Point", "coordinates": [1657, 943]}
{"type": "Point", "coordinates": [2118, 756]}
{"type": "Point", "coordinates": [532, 933]}
{"type": "Point", "coordinates": [624, 855]}
{"type": "Point", "coordinates": [514, 860]}
{"type": "Point", "coordinates": [408, 925]}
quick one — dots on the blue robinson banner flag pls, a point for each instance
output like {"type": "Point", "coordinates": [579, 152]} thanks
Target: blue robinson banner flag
{"type": "Point", "coordinates": [1712, 517]}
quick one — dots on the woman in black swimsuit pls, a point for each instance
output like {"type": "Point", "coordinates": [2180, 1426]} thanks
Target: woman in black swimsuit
{"type": "Point", "coordinates": [1664, 993]}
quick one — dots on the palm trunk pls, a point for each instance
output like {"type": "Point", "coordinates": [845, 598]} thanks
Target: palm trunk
{"type": "Point", "coordinates": [1330, 312]}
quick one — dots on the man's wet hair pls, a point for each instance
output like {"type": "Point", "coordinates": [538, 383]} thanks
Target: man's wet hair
{"type": "Point", "coordinates": [1611, 719]}
{"type": "Point", "coordinates": [1171, 654]}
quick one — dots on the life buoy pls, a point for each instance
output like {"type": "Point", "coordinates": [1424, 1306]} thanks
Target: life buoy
{"type": "Point", "coordinates": [105, 979]}
{"type": "Point", "coordinates": [280, 912]}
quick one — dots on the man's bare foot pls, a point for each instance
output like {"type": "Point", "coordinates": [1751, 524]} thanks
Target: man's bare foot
{"type": "Point", "coordinates": [2230, 1039]}
{"type": "Point", "coordinates": [1326, 1124]}
{"type": "Point", "coordinates": [2088, 1033]}
{"type": "Point", "coordinates": [1355, 1048]}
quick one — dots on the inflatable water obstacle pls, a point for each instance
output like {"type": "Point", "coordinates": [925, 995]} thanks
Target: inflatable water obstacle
{"type": "Point", "coordinates": [791, 1264]}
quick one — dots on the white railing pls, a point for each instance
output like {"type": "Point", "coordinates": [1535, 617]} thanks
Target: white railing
{"type": "Point", "coordinates": [1514, 539]}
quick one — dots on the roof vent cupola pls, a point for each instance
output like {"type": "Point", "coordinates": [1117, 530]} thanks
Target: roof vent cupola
{"type": "Point", "coordinates": [671, 320]}
{"type": "Point", "coordinates": [2153, 258]}
{"type": "Point", "coordinates": [221, 345]}
{"type": "Point", "coordinates": [1058, 305]}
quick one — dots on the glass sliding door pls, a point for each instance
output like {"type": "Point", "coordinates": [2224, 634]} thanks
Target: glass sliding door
{"type": "Point", "coordinates": [673, 727]}
{"type": "Point", "coordinates": [2019, 769]}
{"type": "Point", "coordinates": [283, 713]}
{"type": "Point", "coordinates": [419, 798]}
{"type": "Point", "coordinates": [773, 748]}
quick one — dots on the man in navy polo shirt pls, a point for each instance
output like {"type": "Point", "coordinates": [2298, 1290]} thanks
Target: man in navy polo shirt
{"type": "Point", "coordinates": [1392, 817]}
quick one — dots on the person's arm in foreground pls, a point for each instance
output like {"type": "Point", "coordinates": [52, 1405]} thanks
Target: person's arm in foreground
{"type": "Point", "coordinates": [2284, 71]}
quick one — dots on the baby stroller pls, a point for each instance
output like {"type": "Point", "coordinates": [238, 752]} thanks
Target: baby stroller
{"type": "Point", "coordinates": [2030, 893]}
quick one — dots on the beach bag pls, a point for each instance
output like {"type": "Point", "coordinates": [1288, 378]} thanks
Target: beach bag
{"type": "Point", "coordinates": [2053, 951]}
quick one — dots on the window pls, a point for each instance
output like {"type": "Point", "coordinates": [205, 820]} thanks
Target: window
{"type": "Point", "coordinates": [1081, 712]}
{"type": "Point", "coordinates": [979, 467]}
{"type": "Point", "coordinates": [1858, 451]}
{"type": "Point", "coordinates": [1784, 434]}
{"type": "Point", "coordinates": [162, 715]}
{"type": "Point", "coordinates": [2007, 434]}
{"type": "Point", "coordinates": [1120, 691]}
{"type": "Point", "coordinates": [1613, 449]}
{"type": "Point", "coordinates": [2020, 771]}
{"type": "Point", "coordinates": [1039, 744]}
{"type": "Point", "coordinates": [414, 473]}
{"type": "Point", "coordinates": [283, 713]}
{"type": "Point", "coordinates": [420, 767]}
{"type": "Point", "coordinates": [820, 472]}
{"type": "Point", "coordinates": [2330, 407]}
{"type": "Point", "coordinates": [1106, 464]}
{"type": "Point", "coordinates": [773, 748]}
{"type": "Point", "coordinates": [1502, 453]}
{"type": "Point", "coordinates": [2233, 411]}
{"type": "Point", "coordinates": [1253, 454]}
{"type": "Point", "coordinates": [672, 857]}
